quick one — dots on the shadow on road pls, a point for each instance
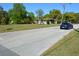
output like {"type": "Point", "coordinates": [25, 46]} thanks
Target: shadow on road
{"type": "Point", "coordinates": [6, 52]}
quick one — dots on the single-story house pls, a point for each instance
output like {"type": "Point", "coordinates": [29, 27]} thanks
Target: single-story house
{"type": "Point", "coordinates": [44, 21]}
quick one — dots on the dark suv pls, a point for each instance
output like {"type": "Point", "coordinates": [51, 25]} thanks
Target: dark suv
{"type": "Point", "coordinates": [66, 25]}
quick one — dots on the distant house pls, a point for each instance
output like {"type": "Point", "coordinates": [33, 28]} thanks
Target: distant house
{"type": "Point", "coordinates": [44, 21]}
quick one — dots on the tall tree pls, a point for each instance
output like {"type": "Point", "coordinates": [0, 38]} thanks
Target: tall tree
{"type": "Point", "coordinates": [55, 15]}
{"type": "Point", "coordinates": [18, 13]}
{"type": "Point", "coordinates": [3, 16]}
{"type": "Point", "coordinates": [39, 13]}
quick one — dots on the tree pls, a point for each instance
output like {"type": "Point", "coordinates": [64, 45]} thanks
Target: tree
{"type": "Point", "coordinates": [30, 18]}
{"type": "Point", "coordinates": [39, 13]}
{"type": "Point", "coordinates": [46, 17]}
{"type": "Point", "coordinates": [18, 13]}
{"type": "Point", "coordinates": [3, 16]}
{"type": "Point", "coordinates": [64, 9]}
{"type": "Point", "coordinates": [1, 9]}
{"type": "Point", "coordinates": [56, 15]}
{"type": "Point", "coordinates": [77, 16]}
{"type": "Point", "coordinates": [71, 17]}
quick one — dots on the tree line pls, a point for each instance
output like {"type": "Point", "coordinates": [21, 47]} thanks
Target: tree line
{"type": "Point", "coordinates": [19, 15]}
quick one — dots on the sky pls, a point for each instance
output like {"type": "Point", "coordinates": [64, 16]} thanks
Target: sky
{"type": "Point", "coordinates": [46, 7]}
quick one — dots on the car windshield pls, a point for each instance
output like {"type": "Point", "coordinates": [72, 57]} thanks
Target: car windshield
{"type": "Point", "coordinates": [64, 23]}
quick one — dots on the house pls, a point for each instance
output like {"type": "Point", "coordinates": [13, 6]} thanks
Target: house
{"type": "Point", "coordinates": [44, 21]}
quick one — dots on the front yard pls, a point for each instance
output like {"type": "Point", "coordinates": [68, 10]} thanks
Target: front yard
{"type": "Point", "coordinates": [68, 46]}
{"type": "Point", "coordinates": [17, 27]}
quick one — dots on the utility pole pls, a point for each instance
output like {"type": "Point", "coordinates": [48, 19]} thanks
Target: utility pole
{"type": "Point", "coordinates": [64, 8]}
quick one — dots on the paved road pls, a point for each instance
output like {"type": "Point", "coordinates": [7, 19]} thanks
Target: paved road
{"type": "Point", "coordinates": [29, 42]}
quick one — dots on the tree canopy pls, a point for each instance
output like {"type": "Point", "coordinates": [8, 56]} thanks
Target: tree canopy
{"type": "Point", "coordinates": [17, 13]}
{"type": "Point", "coordinates": [3, 16]}
{"type": "Point", "coordinates": [55, 15]}
{"type": "Point", "coordinates": [40, 13]}
{"type": "Point", "coordinates": [71, 17]}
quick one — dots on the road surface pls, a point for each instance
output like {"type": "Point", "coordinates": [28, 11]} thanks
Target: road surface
{"type": "Point", "coordinates": [29, 42]}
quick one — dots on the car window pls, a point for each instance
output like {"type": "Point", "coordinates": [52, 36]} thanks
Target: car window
{"type": "Point", "coordinates": [64, 23]}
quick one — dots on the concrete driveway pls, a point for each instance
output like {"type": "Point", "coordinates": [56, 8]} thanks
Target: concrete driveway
{"type": "Point", "coordinates": [29, 42]}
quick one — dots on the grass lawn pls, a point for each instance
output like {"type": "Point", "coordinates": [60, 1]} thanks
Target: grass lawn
{"type": "Point", "coordinates": [68, 46]}
{"type": "Point", "coordinates": [17, 27]}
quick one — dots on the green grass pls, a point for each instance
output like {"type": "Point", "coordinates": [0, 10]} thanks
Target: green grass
{"type": "Point", "coordinates": [68, 46]}
{"type": "Point", "coordinates": [17, 27]}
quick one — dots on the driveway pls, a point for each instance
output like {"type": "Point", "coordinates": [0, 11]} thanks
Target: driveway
{"type": "Point", "coordinates": [29, 42]}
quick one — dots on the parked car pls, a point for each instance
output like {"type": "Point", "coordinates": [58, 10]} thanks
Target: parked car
{"type": "Point", "coordinates": [66, 25]}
